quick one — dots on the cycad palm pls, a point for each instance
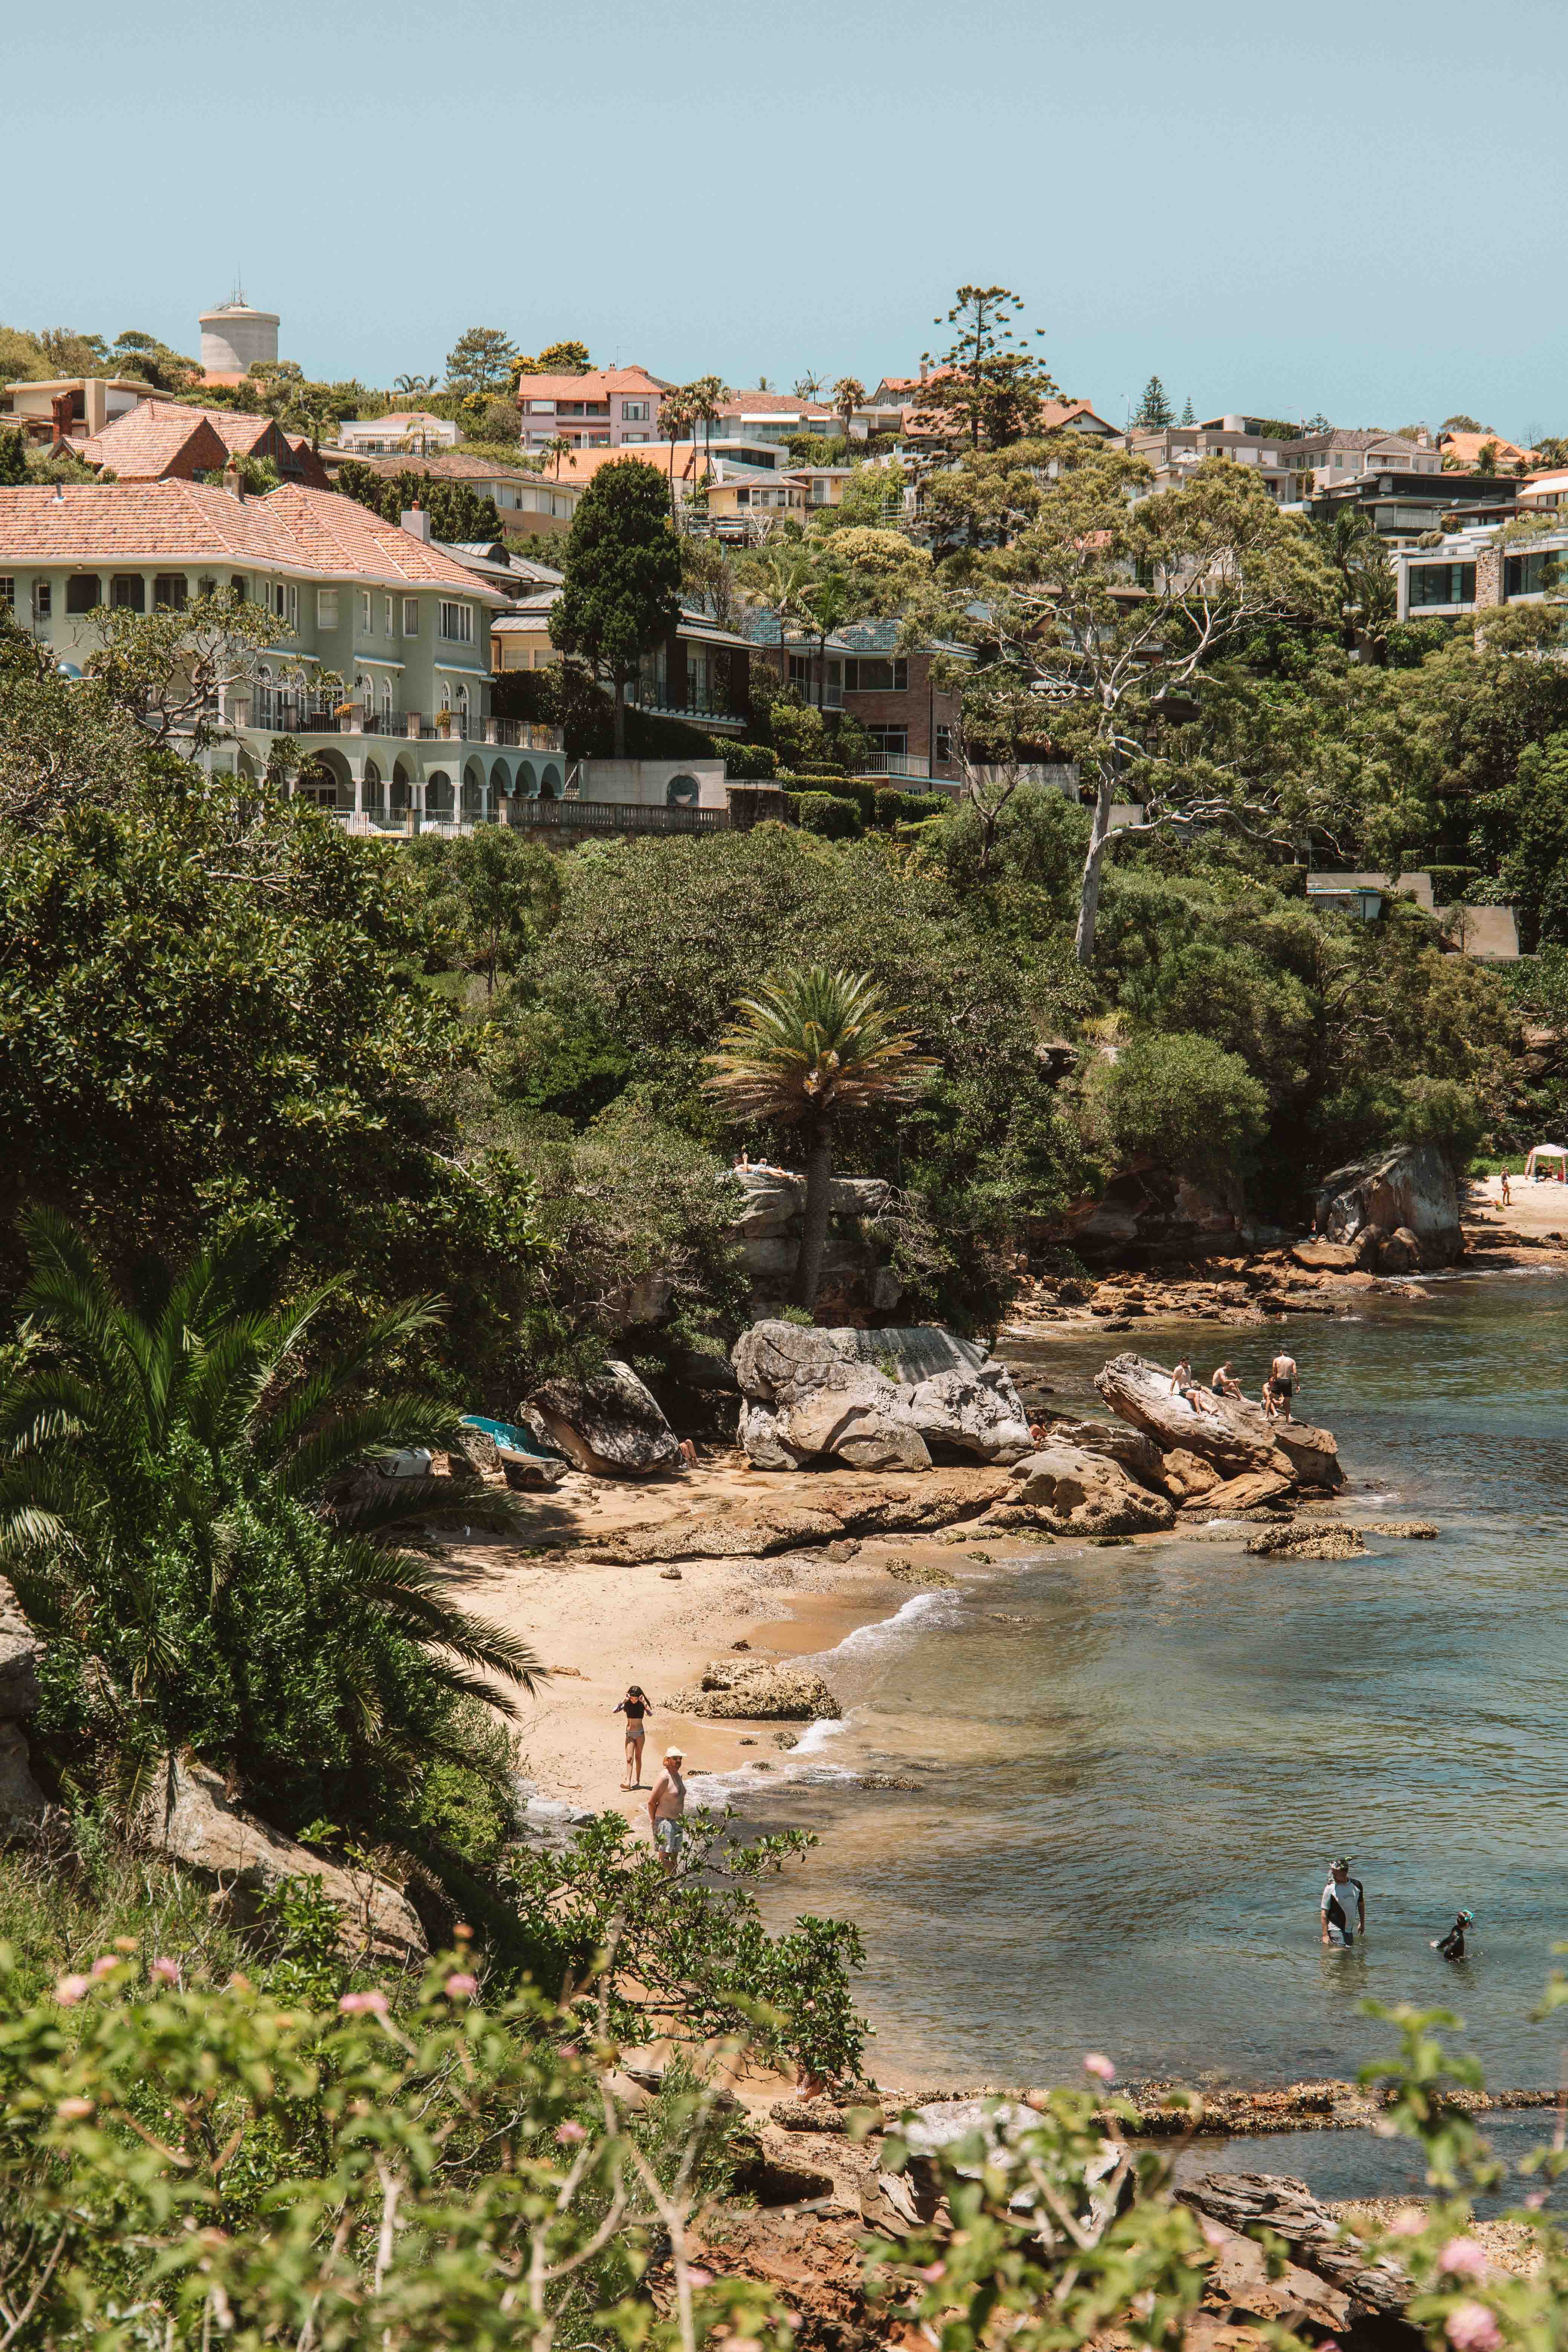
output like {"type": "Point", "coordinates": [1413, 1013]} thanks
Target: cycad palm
{"type": "Point", "coordinates": [164, 1470]}
{"type": "Point", "coordinates": [811, 1043]}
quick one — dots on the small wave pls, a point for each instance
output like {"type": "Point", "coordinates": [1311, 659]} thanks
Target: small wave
{"type": "Point", "coordinates": [925, 1609]}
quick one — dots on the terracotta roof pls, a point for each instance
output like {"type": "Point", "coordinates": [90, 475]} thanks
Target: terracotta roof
{"type": "Point", "coordinates": [597, 384]}
{"type": "Point", "coordinates": [582, 464]}
{"type": "Point", "coordinates": [152, 441]}
{"type": "Point", "coordinates": [292, 529]}
{"type": "Point", "coordinates": [531, 614]}
{"type": "Point", "coordinates": [441, 465]}
{"type": "Point", "coordinates": [773, 403]}
{"type": "Point", "coordinates": [1468, 446]}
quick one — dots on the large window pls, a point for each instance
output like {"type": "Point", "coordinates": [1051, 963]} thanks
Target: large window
{"type": "Point", "coordinates": [128, 593]}
{"type": "Point", "coordinates": [457, 623]}
{"type": "Point", "coordinates": [1531, 575]}
{"type": "Point", "coordinates": [326, 608]}
{"type": "Point", "coordinates": [411, 616]}
{"type": "Point", "coordinates": [634, 412]}
{"type": "Point", "coordinates": [1442, 584]}
{"type": "Point", "coordinates": [169, 591]}
{"type": "Point", "coordinates": [876, 677]}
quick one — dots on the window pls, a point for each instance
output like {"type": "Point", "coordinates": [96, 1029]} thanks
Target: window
{"type": "Point", "coordinates": [800, 669]}
{"type": "Point", "coordinates": [457, 623]}
{"type": "Point", "coordinates": [634, 412]}
{"type": "Point", "coordinates": [1530, 575]}
{"type": "Point", "coordinates": [169, 592]}
{"type": "Point", "coordinates": [241, 586]}
{"type": "Point", "coordinates": [8, 595]}
{"type": "Point", "coordinates": [43, 599]}
{"type": "Point", "coordinates": [892, 742]}
{"type": "Point", "coordinates": [366, 612]}
{"type": "Point", "coordinates": [326, 608]}
{"type": "Point", "coordinates": [282, 599]}
{"type": "Point", "coordinates": [386, 616]}
{"type": "Point", "coordinates": [876, 677]}
{"type": "Point", "coordinates": [743, 496]}
{"type": "Point", "coordinates": [541, 408]}
{"type": "Point", "coordinates": [128, 593]}
{"type": "Point", "coordinates": [411, 616]}
{"type": "Point", "coordinates": [944, 746]}
{"type": "Point", "coordinates": [1442, 584]}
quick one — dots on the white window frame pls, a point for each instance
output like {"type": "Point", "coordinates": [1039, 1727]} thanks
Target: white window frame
{"type": "Point", "coordinates": [366, 612]}
{"type": "Point", "coordinates": [411, 616]}
{"type": "Point", "coordinates": [456, 623]}
{"type": "Point", "coordinates": [388, 615]}
{"type": "Point", "coordinates": [8, 592]}
{"type": "Point", "coordinates": [326, 608]}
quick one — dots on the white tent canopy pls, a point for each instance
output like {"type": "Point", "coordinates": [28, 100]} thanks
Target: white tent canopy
{"type": "Point", "coordinates": [1554, 1151]}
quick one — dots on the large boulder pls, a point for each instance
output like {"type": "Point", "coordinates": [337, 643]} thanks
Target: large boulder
{"type": "Point", "coordinates": [1231, 1433]}
{"type": "Point", "coordinates": [188, 1815]}
{"type": "Point", "coordinates": [876, 1400]}
{"type": "Point", "coordinates": [1139, 1455]}
{"type": "Point", "coordinates": [1411, 1187]}
{"type": "Point", "coordinates": [22, 1802]}
{"type": "Point", "coordinates": [741, 1690]}
{"type": "Point", "coordinates": [1089, 1494]}
{"type": "Point", "coordinates": [608, 1425]}
{"type": "Point", "coordinates": [20, 1652]}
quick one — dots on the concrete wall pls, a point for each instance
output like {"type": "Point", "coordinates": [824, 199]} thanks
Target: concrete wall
{"type": "Point", "coordinates": [645, 784]}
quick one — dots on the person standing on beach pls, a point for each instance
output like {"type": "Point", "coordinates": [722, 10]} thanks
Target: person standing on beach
{"type": "Point", "coordinates": [636, 1710]}
{"type": "Point", "coordinates": [667, 1808]}
{"type": "Point", "coordinates": [1507, 1195]}
{"type": "Point", "coordinates": [1334, 1909]}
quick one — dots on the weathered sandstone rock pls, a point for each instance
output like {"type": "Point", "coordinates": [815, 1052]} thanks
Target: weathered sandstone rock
{"type": "Point", "coordinates": [1229, 1432]}
{"type": "Point", "coordinates": [733, 1689]}
{"type": "Point", "coordinates": [835, 1508]}
{"type": "Point", "coordinates": [1187, 1476]}
{"type": "Point", "coordinates": [1316, 2236]}
{"type": "Point", "coordinates": [1412, 1187]}
{"type": "Point", "coordinates": [980, 1413]}
{"type": "Point", "coordinates": [1249, 1493]}
{"type": "Point", "coordinates": [609, 1425]}
{"type": "Point", "coordinates": [188, 1816]}
{"type": "Point", "coordinates": [1420, 1529]}
{"type": "Point", "coordinates": [1313, 1541]}
{"type": "Point", "coordinates": [1400, 1254]}
{"type": "Point", "coordinates": [1139, 1455]}
{"type": "Point", "coordinates": [811, 1394]}
{"type": "Point", "coordinates": [1089, 1494]}
{"type": "Point", "coordinates": [22, 1802]}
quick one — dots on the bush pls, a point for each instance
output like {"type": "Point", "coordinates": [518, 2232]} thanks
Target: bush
{"type": "Point", "coordinates": [891, 806]}
{"type": "Point", "coordinates": [1180, 1100]}
{"type": "Point", "coordinates": [748, 762]}
{"type": "Point", "coordinates": [825, 814]}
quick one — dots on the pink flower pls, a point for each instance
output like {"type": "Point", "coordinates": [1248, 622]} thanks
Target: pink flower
{"type": "Point", "coordinates": [1097, 2063]}
{"type": "Point", "coordinates": [73, 2111]}
{"type": "Point", "coordinates": [460, 1986]}
{"type": "Point", "coordinates": [1465, 2258]}
{"type": "Point", "coordinates": [933, 2272]}
{"type": "Point", "coordinates": [355, 2004]}
{"type": "Point", "coordinates": [567, 2133]}
{"type": "Point", "coordinates": [106, 1964]}
{"type": "Point", "coordinates": [166, 1971]}
{"type": "Point", "coordinates": [1473, 2329]}
{"type": "Point", "coordinates": [70, 1990]}
{"type": "Point", "coordinates": [1411, 2224]}
{"type": "Point", "coordinates": [699, 2277]}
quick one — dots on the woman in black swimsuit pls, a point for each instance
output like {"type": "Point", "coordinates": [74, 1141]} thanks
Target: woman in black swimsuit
{"type": "Point", "coordinates": [636, 1710]}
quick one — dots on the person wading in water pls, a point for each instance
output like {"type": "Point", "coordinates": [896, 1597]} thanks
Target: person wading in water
{"type": "Point", "coordinates": [1343, 1895]}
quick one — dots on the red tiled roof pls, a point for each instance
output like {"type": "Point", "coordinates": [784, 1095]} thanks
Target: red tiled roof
{"type": "Point", "coordinates": [446, 466]}
{"type": "Point", "coordinates": [152, 441]}
{"type": "Point", "coordinates": [773, 403]}
{"type": "Point", "coordinates": [597, 384]}
{"type": "Point", "coordinates": [292, 529]}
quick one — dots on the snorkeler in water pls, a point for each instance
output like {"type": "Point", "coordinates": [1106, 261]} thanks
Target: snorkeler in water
{"type": "Point", "coordinates": [1452, 1945]}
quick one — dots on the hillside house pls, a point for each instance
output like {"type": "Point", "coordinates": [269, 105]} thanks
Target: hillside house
{"type": "Point", "coordinates": [912, 722]}
{"type": "Point", "coordinates": [607, 408]}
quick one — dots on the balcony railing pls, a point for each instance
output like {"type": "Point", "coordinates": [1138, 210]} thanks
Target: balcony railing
{"type": "Point", "coordinates": [894, 764]}
{"type": "Point", "coordinates": [612, 816]}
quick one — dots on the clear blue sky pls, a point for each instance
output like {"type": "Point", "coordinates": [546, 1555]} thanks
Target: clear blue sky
{"type": "Point", "coordinates": [1363, 215]}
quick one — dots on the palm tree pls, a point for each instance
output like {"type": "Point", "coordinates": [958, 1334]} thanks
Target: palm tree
{"type": "Point", "coordinates": [415, 387]}
{"type": "Point", "coordinates": [779, 579]}
{"type": "Point", "coordinates": [708, 396]}
{"type": "Point", "coordinates": [557, 446]}
{"type": "Point", "coordinates": [848, 395]}
{"type": "Point", "coordinates": [179, 1512]}
{"type": "Point", "coordinates": [808, 386]}
{"type": "Point", "coordinates": [830, 601]}
{"type": "Point", "coordinates": [811, 1043]}
{"type": "Point", "coordinates": [676, 418]}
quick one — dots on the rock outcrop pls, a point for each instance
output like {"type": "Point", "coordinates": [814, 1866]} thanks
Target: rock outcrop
{"type": "Point", "coordinates": [812, 1395]}
{"type": "Point", "coordinates": [837, 1509]}
{"type": "Point", "coordinates": [1315, 2235]}
{"type": "Point", "coordinates": [735, 1688]}
{"type": "Point", "coordinates": [1411, 1189]}
{"type": "Point", "coordinates": [608, 1425]}
{"type": "Point", "coordinates": [188, 1816]}
{"type": "Point", "coordinates": [1087, 1494]}
{"type": "Point", "coordinates": [22, 1802]}
{"type": "Point", "coordinates": [1138, 1456]}
{"type": "Point", "coordinates": [1228, 1433]}
{"type": "Point", "coordinates": [858, 1277]}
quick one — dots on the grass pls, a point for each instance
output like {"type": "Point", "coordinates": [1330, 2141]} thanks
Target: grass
{"type": "Point", "coordinates": [58, 1914]}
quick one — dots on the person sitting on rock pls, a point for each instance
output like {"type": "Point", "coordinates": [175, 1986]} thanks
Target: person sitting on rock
{"type": "Point", "coordinates": [1224, 1383]}
{"type": "Point", "coordinates": [1184, 1385]}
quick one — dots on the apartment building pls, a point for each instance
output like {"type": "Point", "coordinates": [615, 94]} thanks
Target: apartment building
{"type": "Point", "coordinates": [533, 504]}
{"type": "Point", "coordinates": [701, 671]}
{"type": "Point", "coordinates": [777, 417]}
{"type": "Point", "coordinates": [1475, 569]}
{"type": "Point", "coordinates": [912, 722]}
{"type": "Point", "coordinates": [405, 429]}
{"type": "Point", "coordinates": [382, 664]}
{"type": "Point", "coordinates": [608, 408]}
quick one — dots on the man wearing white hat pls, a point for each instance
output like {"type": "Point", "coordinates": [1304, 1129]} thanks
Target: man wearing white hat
{"type": "Point", "coordinates": [667, 1807]}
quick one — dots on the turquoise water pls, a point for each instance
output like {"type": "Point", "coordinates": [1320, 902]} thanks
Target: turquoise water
{"type": "Point", "coordinates": [1130, 1796]}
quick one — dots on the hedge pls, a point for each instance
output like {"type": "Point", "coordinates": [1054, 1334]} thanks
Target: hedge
{"type": "Point", "coordinates": [824, 814]}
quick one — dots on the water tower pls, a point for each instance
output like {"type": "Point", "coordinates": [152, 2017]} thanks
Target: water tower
{"type": "Point", "coordinates": [234, 336]}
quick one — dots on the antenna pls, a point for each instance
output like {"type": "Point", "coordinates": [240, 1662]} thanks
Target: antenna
{"type": "Point", "coordinates": [237, 298]}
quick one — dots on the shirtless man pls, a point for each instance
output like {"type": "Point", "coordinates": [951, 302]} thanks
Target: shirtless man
{"type": "Point", "coordinates": [1224, 1383]}
{"type": "Point", "coordinates": [667, 1808]}
{"type": "Point", "coordinates": [1184, 1385]}
{"type": "Point", "coordinates": [1282, 1384]}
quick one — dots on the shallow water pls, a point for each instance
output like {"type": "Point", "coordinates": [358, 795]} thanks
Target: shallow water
{"type": "Point", "coordinates": [1131, 1796]}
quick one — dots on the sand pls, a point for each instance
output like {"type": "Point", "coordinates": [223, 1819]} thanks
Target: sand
{"type": "Point", "coordinates": [599, 1627]}
{"type": "Point", "coordinates": [1535, 1212]}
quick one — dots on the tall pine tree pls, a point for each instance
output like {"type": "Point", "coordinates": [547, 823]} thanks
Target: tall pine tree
{"type": "Point", "coordinates": [1154, 410]}
{"type": "Point", "coordinates": [1187, 416]}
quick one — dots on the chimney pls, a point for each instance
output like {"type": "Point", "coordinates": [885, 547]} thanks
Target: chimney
{"type": "Point", "coordinates": [416, 520]}
{"type": "Point", "coordinates": [922, 370]}
{"type": "Point", "coordinates": [231, 480]}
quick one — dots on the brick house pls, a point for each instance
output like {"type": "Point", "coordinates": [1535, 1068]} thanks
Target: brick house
{"type": "Point", "coordinates": [912, 722]}
{"type": "Point", "coordinates": [172, 441]}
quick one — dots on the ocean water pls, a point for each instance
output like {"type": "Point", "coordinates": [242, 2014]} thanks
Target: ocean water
{"type": "Point", "coordinates": [1136, 1765]}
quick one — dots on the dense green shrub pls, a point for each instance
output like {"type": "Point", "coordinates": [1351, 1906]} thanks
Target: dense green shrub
{"type": "Point", "coordinates": [826, 814]}
{"type": "Point", "coordinates": [749, 762]}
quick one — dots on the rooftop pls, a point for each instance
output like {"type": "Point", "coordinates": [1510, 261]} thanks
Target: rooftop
{"type": "Point", "coordinates": [292, 529]}
{"type": "Point", "coordinates": [144, 445]}
{"type": "Point", "coordinates": [597, 384]}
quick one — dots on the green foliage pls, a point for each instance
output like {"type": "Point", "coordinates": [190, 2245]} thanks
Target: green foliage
{"type": "Point", "coordinates": [489, 898]}
{"type": "Point", "coordinates": [179, 1514]}
{"type": "Point", "coordinates": [1155, 409]}
{"type": "Point", "coordinates": [1179, 1100]}
{"type": "Point", "coordinates": [988, 386]}
{"type": "Point", "coordinates": [456, 512]}
{"type": "Point", "coordinates": [621, 566]}
{"type": "Point", "coordinates": [481, 362]}
{"type": "Point", "coordinates": [13, 458]}
{"type": "Point", "coordinates": [826, 814]}
{"type": "Point", "coordinates": [568, 358]}
{"type": "Point", "coordinates": [753, 763]}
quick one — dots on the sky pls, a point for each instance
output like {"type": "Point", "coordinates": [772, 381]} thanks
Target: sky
{"type": "Point", "coordinates": [1363, 217]}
